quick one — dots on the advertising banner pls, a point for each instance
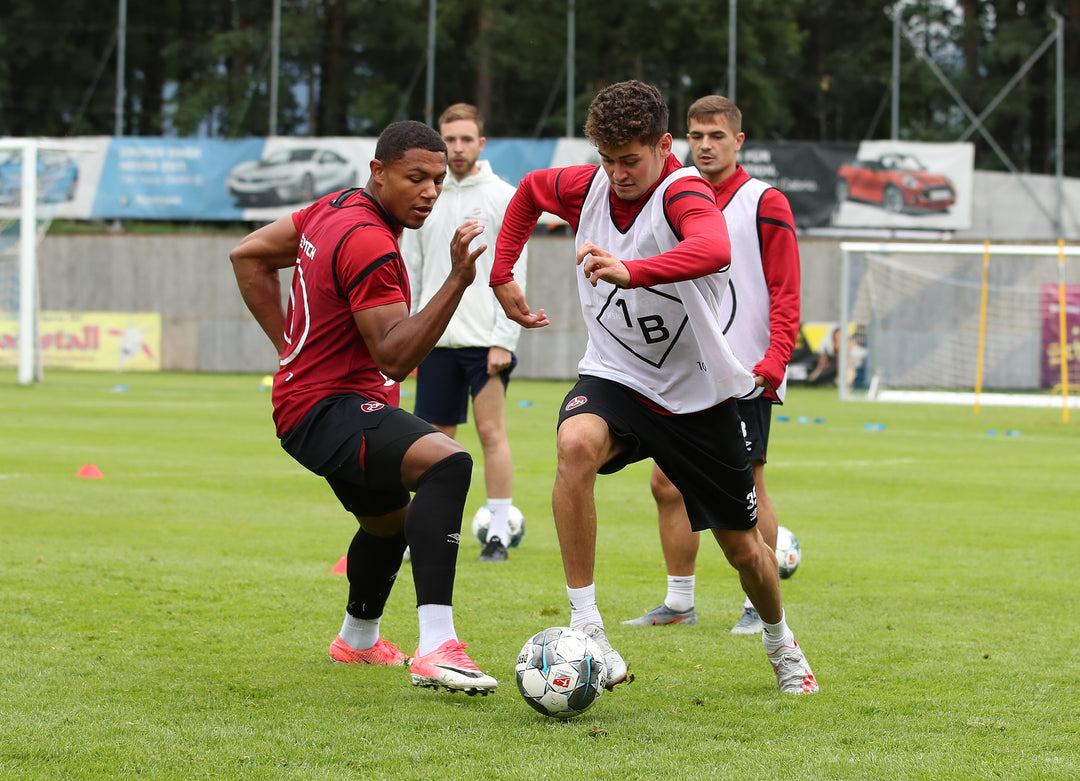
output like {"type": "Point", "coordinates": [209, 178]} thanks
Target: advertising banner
{"type": "Point", "coordinates": [110, 341]}
{"type": "Point", "coordinates": [1050, 352]}
{"type": "Point", "coordinates": [805, 172]}
{"type": "Point", "coordinates": [873, 184]}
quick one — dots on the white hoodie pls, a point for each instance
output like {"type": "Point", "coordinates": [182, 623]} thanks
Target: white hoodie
{"type": "Point", "coordinates": [479, 320]}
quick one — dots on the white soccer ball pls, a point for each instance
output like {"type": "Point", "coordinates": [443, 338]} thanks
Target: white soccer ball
{"type": "Point", "coordinates": [560, 672]}
{"type": "Point", "coordinates": [788, 553]}
{"type": "Point", "coordinates": [515, 522]}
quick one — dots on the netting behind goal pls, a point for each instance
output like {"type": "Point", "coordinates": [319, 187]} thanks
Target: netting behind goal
{"type": "Point", "coordinates": [963, 323]}
{"type": "Point", "coordinates": [24, 220]}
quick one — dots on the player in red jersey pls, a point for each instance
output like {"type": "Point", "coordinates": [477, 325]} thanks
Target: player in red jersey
{"type": "Point", "coordinates": [345, 342]}
{"type": "Point", "coordinates": [761, 323]}
{"type": "Point", "coordinates": [657, 378]}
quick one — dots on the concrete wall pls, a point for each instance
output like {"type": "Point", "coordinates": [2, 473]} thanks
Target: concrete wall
{"type": "Point", "coordinates": [206, 327]}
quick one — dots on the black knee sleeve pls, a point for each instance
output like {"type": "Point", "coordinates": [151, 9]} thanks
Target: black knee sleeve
{"type": "Point", "coordinates": [433, 527]}
{"type": "Point", "coordinates": [372, 568]}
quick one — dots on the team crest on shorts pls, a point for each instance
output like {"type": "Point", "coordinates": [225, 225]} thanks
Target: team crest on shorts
{"type": "Point", "coordinates": [372, 406]}
{"type": "Point", "coordinates": [575, 402]}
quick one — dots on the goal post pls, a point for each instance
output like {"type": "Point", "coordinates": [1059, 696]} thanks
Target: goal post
{"type": "Point", "coordinates": [935, 322]}
{"type": "Point", "coordinates": [24, 220]}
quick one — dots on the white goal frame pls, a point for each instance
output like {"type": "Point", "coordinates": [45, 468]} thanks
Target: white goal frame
{"type": "Point", "coordinates": [29, 352]}
{"type": "Point", "coordinates": [875, 390]}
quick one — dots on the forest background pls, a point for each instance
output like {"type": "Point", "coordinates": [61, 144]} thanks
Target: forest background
{"type": "Point", "coordinates": [817, 70]}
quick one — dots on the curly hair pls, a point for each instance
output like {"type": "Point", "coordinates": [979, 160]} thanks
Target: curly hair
{"type": "Point", "coordinates": [625, 112]}
{"type": "Point", "coordinates": [399, 137]}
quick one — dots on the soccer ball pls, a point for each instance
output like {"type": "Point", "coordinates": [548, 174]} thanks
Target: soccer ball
{"type": "Point", "coordinates": [560, 672]}
{"type": "Point", "coordinates": [515, 522]}
{"type": "Point", "coordinates": [788, 553]}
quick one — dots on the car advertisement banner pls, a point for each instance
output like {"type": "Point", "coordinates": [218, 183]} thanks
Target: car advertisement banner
{"type": "Point", "coordinates": [805, 172]}
{"type": "Point", "coordinates": [875, 184]}
{"type": "Point", "coordinates": [1050, 353]}
{"type": "Point", "coordinates": [903, 184]}
{"type": "Point", "coordinates": [110, 341]}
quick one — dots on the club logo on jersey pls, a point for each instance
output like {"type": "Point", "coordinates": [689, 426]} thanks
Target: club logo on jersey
{"type": "Point", "coordinates": [575, 402]}
{"type": "Point", "coordinates": [372, 406]}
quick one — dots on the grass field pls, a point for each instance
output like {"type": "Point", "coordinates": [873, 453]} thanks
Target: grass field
{"type": "Point", "coordinates": [171, 620]}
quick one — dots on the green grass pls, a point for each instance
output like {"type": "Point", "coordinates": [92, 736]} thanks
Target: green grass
{"type": "Point", "coordinates": [170, 621]}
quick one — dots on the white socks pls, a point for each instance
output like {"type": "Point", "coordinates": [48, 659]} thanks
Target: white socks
{"type": "Point", "coordinates": [778, 634]}
{"type": "Point", "coordinates": [680, 592]}
{"type": "Point", "coordinates": [360, 633]}
{"type": "Point", "coordinates": [583, 609]}
{"type": "Point", "coordinates": [499, 525]}
{"type": "Point", "coordinates": [436, 627]}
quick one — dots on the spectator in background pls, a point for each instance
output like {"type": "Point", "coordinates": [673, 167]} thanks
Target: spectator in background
{"type": "Point", "coordinates": [475, 355]}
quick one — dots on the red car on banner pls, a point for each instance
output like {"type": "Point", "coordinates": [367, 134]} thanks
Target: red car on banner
{"type": "Point", "coordinates": [897, 182]}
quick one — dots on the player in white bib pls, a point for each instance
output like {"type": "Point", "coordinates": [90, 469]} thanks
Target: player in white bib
{"type": "Point", "coordinates": [761, 323]}
{"type": "Point", "coordinates": [658, 378]}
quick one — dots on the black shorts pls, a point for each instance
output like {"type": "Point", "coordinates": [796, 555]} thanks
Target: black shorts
{"type": "Point", "coordinates": [702, 453]}
{"type": "Point", "coordinates": [756, 416]}
{"type": "Point", "coordinates": [357, 445]}
{"type": "Point", "coordinates": [446, 380]}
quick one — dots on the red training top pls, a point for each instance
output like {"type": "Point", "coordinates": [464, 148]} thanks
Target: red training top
{"type": "Point", "coordinates": [562, 191]}
{"type": "Point", "coordinates": [347, 260]}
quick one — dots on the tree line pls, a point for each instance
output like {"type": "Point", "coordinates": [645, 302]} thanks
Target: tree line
{"type": "Point", "coordinates": [816, 70]}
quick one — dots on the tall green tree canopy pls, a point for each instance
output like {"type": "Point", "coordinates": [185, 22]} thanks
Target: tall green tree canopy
{"type": "Point", "coordinates": [817, 70]}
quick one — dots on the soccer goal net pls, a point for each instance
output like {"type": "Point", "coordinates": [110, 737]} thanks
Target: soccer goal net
{"type": "Point", "coordinates": [961, 323]}
{"type": "Point", "coordinates": [25, 216]}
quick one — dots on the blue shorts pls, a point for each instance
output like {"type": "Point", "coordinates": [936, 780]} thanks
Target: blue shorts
{"type": "Point", "coordinates": [446, 380]}
{"type": "Point", "coordinates": [756, 416]}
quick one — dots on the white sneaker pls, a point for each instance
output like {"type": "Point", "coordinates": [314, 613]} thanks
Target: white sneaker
{"type": "Point", "coordinates": [616, 665]}
{"type": "Point", "coordinates": [793, 674]}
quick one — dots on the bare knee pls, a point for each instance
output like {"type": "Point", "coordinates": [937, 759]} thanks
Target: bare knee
{"type": "Point", "coordinates": [746, 551]}
{"type": "Point", "coordinates": [581, 450]}
{"type": "Point", "coordinates": [663, 490]}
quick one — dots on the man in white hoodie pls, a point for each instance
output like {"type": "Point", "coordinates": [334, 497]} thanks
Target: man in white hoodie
{"type": "Point", "coordinates": [478, 344]}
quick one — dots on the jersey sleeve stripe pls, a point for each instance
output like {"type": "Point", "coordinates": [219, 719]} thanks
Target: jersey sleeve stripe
{"type": "Point", "coordinates": [372, 267]}
{"type": "Point", "coordinates": [685, 193]}
{"type": "Point", "coordinates": [778, 223]}
{"type": "Point", "coordinates": [337, 249]}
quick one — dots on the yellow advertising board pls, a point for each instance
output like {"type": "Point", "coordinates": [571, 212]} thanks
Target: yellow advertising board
{"type": "Point", "coordinates": [112, 341]}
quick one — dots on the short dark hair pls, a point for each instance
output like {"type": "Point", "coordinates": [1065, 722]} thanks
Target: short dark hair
{"type": "Point", "coordinates": [399, 137]}
{"type": "Point", "coordinates": [460, 111]}
{"type": "Point", "coordinates": [715, 105]}
{"type": "Point", "coordinates": [625, 112]}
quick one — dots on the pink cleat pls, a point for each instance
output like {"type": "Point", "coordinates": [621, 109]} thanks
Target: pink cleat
{"type": "Point", "coordinates": [380, 653]}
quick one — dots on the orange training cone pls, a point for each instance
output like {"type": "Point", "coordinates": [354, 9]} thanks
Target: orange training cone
{"type": "Point", "coordinates": [341, 567]}
{"type": "Point", "coordinates": [89, 470]}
